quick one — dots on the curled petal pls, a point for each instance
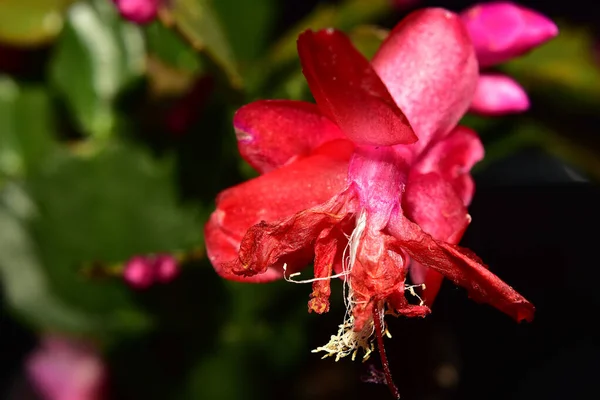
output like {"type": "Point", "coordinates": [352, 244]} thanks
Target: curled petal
{"type": "Point", "coordinates": [349, 92]}
{"type": "Point", "coordinates": [452, 158]}
{"type": "Point", "coordinates": [399, 303]}
{"type": "Point", "coordinates": [498, 94]}
{"type": "Point", "coordinates": [278, 194]}
{"type": "Point", "coordinates": [433, 204]}
{"type": "Point", "coordinates": [503, 30]}
{"type": "Point", "coordinates": [460, 266]}
{"type": "Point", "coordinates": [329, 248]}
{"type": "Point", "coordinates": [428, 64]}
{"type": "Point", "coordinates": [272, 133]}
{"type": "Point", "coordinates": [291, 241]}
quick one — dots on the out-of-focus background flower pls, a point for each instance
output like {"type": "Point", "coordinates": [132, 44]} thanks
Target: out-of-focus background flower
{"type": "Point", "coordinates": [116, 136]}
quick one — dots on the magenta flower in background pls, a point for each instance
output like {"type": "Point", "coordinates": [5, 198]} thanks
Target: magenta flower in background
{"type": "Point", "coordinates": [138, 11]}
{"type": "Point", "coordinates": [370, 182]}
{"type": "Point", "coordinates": [63, 368]}
{"type": "Point", "coordinates": [501, 31]}
{"type": "Point", "coordinates": [141, 272]}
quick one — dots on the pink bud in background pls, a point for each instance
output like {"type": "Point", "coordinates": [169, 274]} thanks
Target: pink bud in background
{"type": "Point", "coordinates": [498, 94]}
{"type": "Point", "coordinates": [165, 268]}
{"type": "Point", "coordinates": [64, 369]}
{"type": "Point", "coordinates": [139, 272]}
{"type": "Point", "coordinates": [138, 11]}
{"type": "Point", "coordinates": [503, 30]}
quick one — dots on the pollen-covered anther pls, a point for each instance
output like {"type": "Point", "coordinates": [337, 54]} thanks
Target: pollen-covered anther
{"type": "Point", "coordinates": [348, 342]}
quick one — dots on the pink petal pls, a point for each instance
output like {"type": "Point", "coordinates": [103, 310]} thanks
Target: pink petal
{"type": "Point", "coordinates": [138, 11]}
{"type": "Point", "coordinates": [278, 194]}
{"type": "Point", "coordinates": [64, 368]}
{"type": "Point", "coordinates": [460, 266]}
{"type": "Point", "coordinates": [429, 67]}
{"type": "Point", "coordinates": [139, 272]}
{"type": "Point", "coordinates": [166, 268]}
{"type": "Point", "coordinates": [497, 95]}
{"type": "Point", "coordinates": [272, 133]}
{"type": "Point", "coordinates": [432, 203]}
{"type": "Point", "coordinates": [349, 92]}
{"type": "Point", "coordinates": [452, 158]}
{"type": "Point", "coordinates": [503, 30]}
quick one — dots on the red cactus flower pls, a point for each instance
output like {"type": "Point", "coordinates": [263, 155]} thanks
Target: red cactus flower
{"type": "Point", "coordinates": [370, 181]}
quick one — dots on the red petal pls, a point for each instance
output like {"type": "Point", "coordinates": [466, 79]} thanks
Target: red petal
{"type": "Point", "coordinates": [429, 66]}
{"type": "Point", "coordinates": [460, 266]}
{"type": "Point", "coordinates": [272, 133]}
{"type": "Point", "coordinates": [349, 92]}
{"type": "Point", "coordinates": [452, 158]}
{"type": "Point", "coordinates": [432, 203]}
{"type": "Point", "coordinates": [288, 241]}
{"type": "Point", "coordinates": [270, 197]}
{"type": "Point", "coordinates": [328, 252]}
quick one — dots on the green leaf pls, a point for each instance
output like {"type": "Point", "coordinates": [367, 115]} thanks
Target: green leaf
{"type": "Point", "coordinates": [198, 22]}
{"type": "Point", "coordinates": [104, 207]}
{"type": "Point", "coordinates": [368, 39]}
{"type": "Point", "coordinates": [345, 16]}
{"type": "Point", "coordinates": [31, 22]}
{"type": "Point", "coordinates": [27, 127]}
{"type": "Point", "coordinates": [96, 57]}
{"type": "Point", "coordinates": [171, 48]}
{"type": "Point", "coordinates": [564, 71]}
{"type": "Point", "coordinates": [248, 24]}
{"type": "Point", "coordinates": [26, 286]}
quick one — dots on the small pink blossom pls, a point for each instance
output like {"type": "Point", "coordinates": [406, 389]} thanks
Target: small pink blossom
{"type": "Point", "coordinates": [138, 11]}
{"type": "Point", "coordinates": [139, 272]}
{"type": "Point", "coordinates": [497, 94]}
{"type": "Point", "coordinates": [501, 31]}
{"type": "Point", "coordinates": [142, 272]}
{"type": "Point", "coordinates": [165, 268]}
{"type": "Point", "coordinates": [66, 369]}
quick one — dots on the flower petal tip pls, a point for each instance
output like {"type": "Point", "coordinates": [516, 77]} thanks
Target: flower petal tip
{"type": "Point", "coordinates": [498, 95]}
{"type": "Point", "coordinates": [428, 64]}
{"type": "Point", "coordinates": [503, 30]}
{"type": "Point", "coordinates": [349, 92]}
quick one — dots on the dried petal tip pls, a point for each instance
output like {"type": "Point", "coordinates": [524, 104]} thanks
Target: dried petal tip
{"type": "Point", "coordinates": [498, 95]}
{"type": "Point", "coordinates": [139, 272]}
{"type": "Point", "coordinates": [138, 11]}
{"type": "Point", "coordinates": [503, 30]}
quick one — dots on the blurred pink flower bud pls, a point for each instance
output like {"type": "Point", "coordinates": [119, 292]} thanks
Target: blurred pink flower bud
{"type": "Point", "coordinates": [166, 268]}
{"type": "Point", "coordinates": [503, 30]}
{"type": "Point", "coordinates": [138, 11]}
{"type": "Point", "coordinates": [139, 272]}
{"type": "Point", "coordinates": [498, 94]}
{"type": "Point", "coordinates": [64, 369]}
